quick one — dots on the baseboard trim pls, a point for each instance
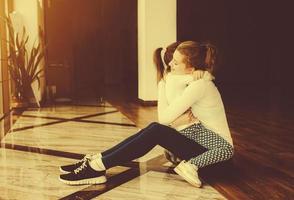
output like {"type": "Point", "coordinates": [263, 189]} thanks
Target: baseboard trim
{"type": "Point", "coordinates": [147, 103]}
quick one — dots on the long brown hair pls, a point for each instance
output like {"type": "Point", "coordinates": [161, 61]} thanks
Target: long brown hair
{"type": "Point", "coordinates": [201, 56]}
{"type": "Point", "coordinates": [167, 57]}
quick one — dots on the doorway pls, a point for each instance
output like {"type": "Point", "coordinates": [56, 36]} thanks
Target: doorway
{"type": "Point", "coordinates": [92, 47]}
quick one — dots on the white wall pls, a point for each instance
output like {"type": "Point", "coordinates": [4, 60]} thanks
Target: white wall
{"type": "Point", "coordinates": [28, 14]}
{"type": "Point", "coordinates": [156, 28]}
{"type": "Point", "coordinates": [27, 11]}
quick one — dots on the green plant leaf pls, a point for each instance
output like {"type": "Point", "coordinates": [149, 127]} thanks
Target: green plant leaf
{"type": "Point", "coordinates": [39, 82]}
{"type": "Point", "coordinates": [36, 76]}
{"type": "Point", "coordinates": [39, 57]}
{"type": "Point", "coordinates": [23, 34]}
{"type": "Point", "coordinates": [31, 61]}
{"type": "Point", "coordinates": [17, 41]}
{"type": "Point", "coordinates": [23, 63]}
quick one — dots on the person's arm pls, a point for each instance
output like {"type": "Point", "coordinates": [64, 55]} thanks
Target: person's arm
{"type": "Point", "coordinates": [186, 118]}
{"type": "Point", "coordinates": [168, 113]}
{"type": "Point", "coordinates": [162, 101]}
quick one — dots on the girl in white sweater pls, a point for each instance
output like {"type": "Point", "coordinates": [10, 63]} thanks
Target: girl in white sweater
{"type": "Point", "coordinates": [178, 91]}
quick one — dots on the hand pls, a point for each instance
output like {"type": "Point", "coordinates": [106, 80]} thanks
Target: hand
{"type": "Point", "coordinates": [185, 118]}
{"type": "Point", "coordinates": [192, 118]}
{"type": "Point", "coordinates": [198, 74]}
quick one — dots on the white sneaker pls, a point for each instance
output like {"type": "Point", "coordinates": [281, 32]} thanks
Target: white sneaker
{"type": "Point", "coordinates": [189, 172]}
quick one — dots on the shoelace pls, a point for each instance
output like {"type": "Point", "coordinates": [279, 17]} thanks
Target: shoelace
{"type": "Point", "coordinates": [85, 158]}
{"type": "Point", "coordinates": [80, 168]}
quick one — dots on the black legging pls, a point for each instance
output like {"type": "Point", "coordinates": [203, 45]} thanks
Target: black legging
{"type": "Point", "coordinates": [146, 139]}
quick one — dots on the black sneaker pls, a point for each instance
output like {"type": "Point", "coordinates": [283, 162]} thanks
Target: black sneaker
{"type": "Point", "coordinates": [72, 167]}
{"type": "Point", "coordinates": [83, 175]}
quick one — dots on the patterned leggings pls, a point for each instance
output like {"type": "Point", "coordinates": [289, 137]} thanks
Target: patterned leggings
{"type": "Point", "coordinates": [198, 145]}
{"type": "Point", "coordinates": [218, 149]}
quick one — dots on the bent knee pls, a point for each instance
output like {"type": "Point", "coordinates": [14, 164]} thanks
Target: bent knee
{"type": "Point", "coordinates": [153, 124]}
{"type": "Point", "coordinates": [156, 124]}
{"type": "Point", "coordinates": [152, 127]}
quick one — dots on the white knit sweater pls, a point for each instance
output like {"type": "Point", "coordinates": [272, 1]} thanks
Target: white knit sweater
{"type": "Point", "coordinates": [178, 93]}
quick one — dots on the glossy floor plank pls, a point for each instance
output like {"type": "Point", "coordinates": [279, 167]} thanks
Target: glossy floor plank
{"type": "Point", "coordinates": [43, 139]}
{"type": "Point", "coordinates": [262, 167]}
{"type": "Point", "coordinates": [161, 186]}
{"type": "Point", "coordinates": [62, 134]}
{"type": "Point", "coordinates": [25, 175]}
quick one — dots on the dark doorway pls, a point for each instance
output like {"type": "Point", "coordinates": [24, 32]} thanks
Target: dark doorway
{"type": "Point", "coordinates": [92, 47]}
{"type": "Point", "coordinates": [254, 41]}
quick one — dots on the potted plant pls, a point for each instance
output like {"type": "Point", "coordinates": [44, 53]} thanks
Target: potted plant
{"type": "Point", "coordinates": [23, 64]}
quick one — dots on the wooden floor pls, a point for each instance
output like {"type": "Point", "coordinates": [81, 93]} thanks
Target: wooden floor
{"type": "Point", "coordinates": [43, 139]}
{"type": "Point", "coordinates": [262, 126]}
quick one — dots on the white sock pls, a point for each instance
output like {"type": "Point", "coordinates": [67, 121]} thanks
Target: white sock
{"type": "Point", "coordinates": [97, 164]}
{"type": "Point", "coordinates": [97, 155]}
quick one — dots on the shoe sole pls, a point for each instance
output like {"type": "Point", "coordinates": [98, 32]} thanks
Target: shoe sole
{"type": "Point", "coordinates": [180, 172]}
{"type": "Point", "coordinates": [89, 181]}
